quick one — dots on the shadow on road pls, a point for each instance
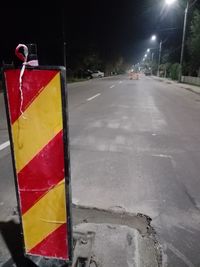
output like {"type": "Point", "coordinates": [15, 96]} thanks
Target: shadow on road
{"type": "Point", "coordinates": [11, 233]}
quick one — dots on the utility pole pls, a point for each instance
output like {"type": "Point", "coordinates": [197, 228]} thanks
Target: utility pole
{"type": "Point", "coordinates": [159, 59]}
{"type": "Point", "coordinates": [65, 55]}
{"type": "Point", "coordinates": [64, 40]}
{"type": "Point", "coordinates": [152, 56]}
{"type": "Point", "coordinates": [183, 40]}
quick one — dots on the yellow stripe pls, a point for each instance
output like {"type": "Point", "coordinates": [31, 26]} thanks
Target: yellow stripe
{"type": "Point", "coordinates": [45, 216]}
{"type": "Point", "coordinates": [41, 121]}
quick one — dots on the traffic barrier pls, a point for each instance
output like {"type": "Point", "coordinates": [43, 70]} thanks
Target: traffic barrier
{"type": "Point", "coordinates": [37, 121]}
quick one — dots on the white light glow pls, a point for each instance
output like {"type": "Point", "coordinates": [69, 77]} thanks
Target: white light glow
{"type": "Point", "coordinates": [148, 50]}
{"type": "Point", "coordinates": [153, 37]}
{"type": "Point", "coordinates": [170, 2]}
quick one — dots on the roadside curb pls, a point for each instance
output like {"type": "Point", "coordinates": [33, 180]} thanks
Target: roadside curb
{"type": "Point", "coordinates": [189, 87]}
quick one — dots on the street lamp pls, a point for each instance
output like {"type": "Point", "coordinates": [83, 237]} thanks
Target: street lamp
{"type": "Point", "coordinates": [169, 2]}
{"type": "Point", "coordinates": [183, 39]}
{"type": "Point", "coordinates": [159, 59]}
{"type": "Point", "coordinates": [148, 50]}
{"type": "Point", "coordinates": [154, 38]}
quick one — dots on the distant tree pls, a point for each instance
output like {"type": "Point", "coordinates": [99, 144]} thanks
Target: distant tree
{"type": "Point", "coordinates": [165, 70]}
{"type": "Point", "coordinates": [92, 61]}
{"type": "Point", "coordinates": [194, 42]}
{"type": "Point", "coordinates": [174, 71]}
{"type": "Point", "coordinates": [117, 65]}
{"type": "Point", "coordinates": [166, 56]}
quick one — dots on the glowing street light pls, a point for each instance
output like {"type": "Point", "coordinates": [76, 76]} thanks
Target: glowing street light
{"type": "Point", "coordinates": [170, 2]}
{"type": "Point", "coordinates": [148, 50]}
{"type": "Point", "coordinates": [153, 37]}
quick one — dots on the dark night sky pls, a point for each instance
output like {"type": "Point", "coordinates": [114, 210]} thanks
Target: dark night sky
{"type": "Point", "coordinates": [110, 27]}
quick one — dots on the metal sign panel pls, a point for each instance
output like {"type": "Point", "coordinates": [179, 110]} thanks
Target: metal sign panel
{"type": "Point", "coordinates": [37, 121]}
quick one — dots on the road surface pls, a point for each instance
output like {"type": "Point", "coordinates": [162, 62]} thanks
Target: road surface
{"type": "Point", "coordinates": [134, 145]}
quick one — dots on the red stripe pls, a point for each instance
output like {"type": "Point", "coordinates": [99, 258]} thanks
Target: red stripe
{"type": "Point", "coordinates": [34, 82]}
{"type": "Point", "coordinates": [55, 245]}
{"type": "Point", "coordinates": [42, 173]}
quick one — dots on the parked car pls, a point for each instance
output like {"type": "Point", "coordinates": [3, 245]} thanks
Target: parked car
{"type": "Point", "coordinates": [83, 74]}
{"type": "Point", "coordinates": [97, 74]}
{"type": "Point", "coordinates": [88, 74]}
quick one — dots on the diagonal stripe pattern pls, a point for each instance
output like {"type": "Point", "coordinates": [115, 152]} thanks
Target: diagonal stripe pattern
{"type": "Point", "coordinates": [37, 137]}
{"type": "Point", "coordinates": [41, 121]}
{"type": "Point", "coordinates": [38, 221]}
{"type": "Point", "coordinates": [36, 80]}
{"type": "Point", "coordinates": [45, 170]}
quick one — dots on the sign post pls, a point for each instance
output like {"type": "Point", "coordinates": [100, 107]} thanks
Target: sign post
{"type": "Point", "coordinates": [38, 129]}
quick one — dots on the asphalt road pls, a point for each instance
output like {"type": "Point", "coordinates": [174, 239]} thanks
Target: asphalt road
{"type": "Point", "coordinates": [134, 145]}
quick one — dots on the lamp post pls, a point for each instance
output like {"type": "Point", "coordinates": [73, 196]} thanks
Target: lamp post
{"type": "Point", "coordinates": [152, 56]}
{"type": "Point", "coordinates": [170, 2]}
{"type": "Point", "coordinates": [183, 40]}
{"type": "Point", "coordinates": [159, 58]}
{"type": "Point", "coordinates": [154, 38]}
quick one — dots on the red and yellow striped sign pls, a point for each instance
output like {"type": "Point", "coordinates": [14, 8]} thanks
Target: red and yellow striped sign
{"type": "Point", "coordinates": [38, 148]}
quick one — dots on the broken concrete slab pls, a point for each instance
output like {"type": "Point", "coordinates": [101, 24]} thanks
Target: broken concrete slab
{"type": "Point", "coordinates": [121, 239]}
{"type": "Point", "coordinates": [116, 246]}
{"type": "Point", "coordinates": [115, 215]}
